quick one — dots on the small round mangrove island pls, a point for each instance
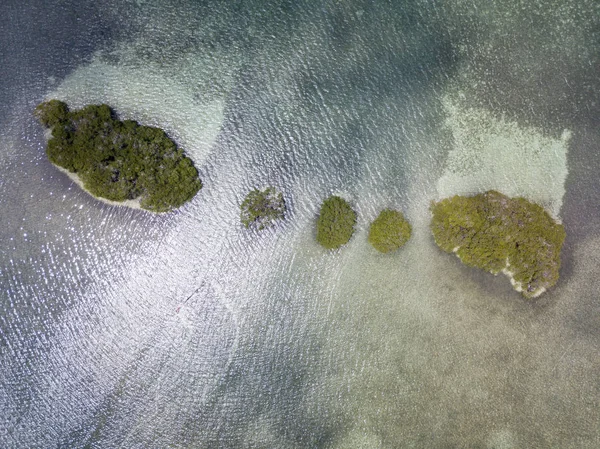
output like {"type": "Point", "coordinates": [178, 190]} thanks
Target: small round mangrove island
{"type": "Point", "coordinates": [262, 208]}
{"type": "Point", "coordinates": [389, 231]}
{"type": "Point", "coordinates": [500, 234]}
{"type": "Point", "coordinates": [118, 160]}
{"type": "Point", "coordinates": [335, 225]}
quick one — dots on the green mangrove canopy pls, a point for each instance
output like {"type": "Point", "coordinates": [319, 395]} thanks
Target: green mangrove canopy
{"type": "Point", "coordinates": [500, 234]}
{"type": "Point", "coordinates": [336, 223]}
{"type": "Point", "coordinates": [262, 208]}
{"type": "Point", "coordinates": [389, 231]}
{"type": "Point", "coordinates": [119, 160]}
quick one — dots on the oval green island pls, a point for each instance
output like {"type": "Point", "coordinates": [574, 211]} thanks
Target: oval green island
{"type": "Point", "coordinates": [335, 224]}
{"type": "Point", "coordinates": [389, 231]}
{"type": "Point", "coordinates": [497, 233]}
{"type": "Point", "coordinates": [118, 160]}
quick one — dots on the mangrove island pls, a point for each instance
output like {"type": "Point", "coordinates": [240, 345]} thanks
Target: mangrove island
{"type": "Point", "coordinates": [335, 225]}
{"type": "Point", "coordinates": [118, 160]}
{"type": "Point", "coordinates": [262, 208]}
{"type": "Point", "coordinates": [500, 234]}
{"type": "Point", "coordinates": [389, 231]}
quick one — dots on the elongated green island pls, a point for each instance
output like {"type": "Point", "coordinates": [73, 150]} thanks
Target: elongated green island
{"type": "Point", "coordinates": [118, 160]}
{"type": "Point", "coordinates": [500, 234]}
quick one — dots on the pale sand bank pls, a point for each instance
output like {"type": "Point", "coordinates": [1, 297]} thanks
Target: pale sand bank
{"type": "Point", "coordinates": [518, 286]}
{"type": "Point", "coordinates": [134, 204]}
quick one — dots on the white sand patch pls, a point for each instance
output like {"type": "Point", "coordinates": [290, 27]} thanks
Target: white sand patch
{"type": "Point", "coordinates": [491, 153]}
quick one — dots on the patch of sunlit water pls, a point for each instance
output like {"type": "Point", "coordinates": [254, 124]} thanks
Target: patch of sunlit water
{"type": "Point", "coordinates": [211, 335]}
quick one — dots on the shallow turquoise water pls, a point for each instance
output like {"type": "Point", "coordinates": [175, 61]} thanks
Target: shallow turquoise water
{"type": "Point", "coordinates": [123, 329]}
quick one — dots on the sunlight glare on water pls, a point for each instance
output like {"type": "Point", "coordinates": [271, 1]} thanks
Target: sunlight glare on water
{"type": "Point", "coordinates": [120, 328]}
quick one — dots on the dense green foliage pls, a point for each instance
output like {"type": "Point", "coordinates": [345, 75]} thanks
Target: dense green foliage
{"type": "Point", "coordinates": [262, 208]}
{"type": "Point", "coordinates": [335, 225]}
{"type": "Point", "coordinates": [389, 231]}
{"type": "Point", "coordinates": [119, 160]}
{"type": "Point", "coordinates": [52, 113]}
{"type": "Point", "coordinates": [496, 233]}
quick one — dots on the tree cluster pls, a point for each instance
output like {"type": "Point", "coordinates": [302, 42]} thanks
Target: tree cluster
{"type": "Point", "coordinates": [119, 160]}
{"type": "Point", "coordinates": [496, 233]}
{"type": "Point", "coordinates": [262, 208]}
{"type": "Point", "coordinates": [336, 222]}
{"type": "Point", "coordinates": [389, 231]}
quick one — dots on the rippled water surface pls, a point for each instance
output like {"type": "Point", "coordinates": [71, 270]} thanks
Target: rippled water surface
{"type": "Point", "coordinates": [120, 328]}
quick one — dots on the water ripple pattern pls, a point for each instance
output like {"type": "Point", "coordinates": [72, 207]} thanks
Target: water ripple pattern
{"type": "Point", "coordinates": [124, 329]}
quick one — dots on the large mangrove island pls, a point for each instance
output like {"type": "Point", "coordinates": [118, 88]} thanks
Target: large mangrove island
{"type": "Point", "coordinates": [118, 160]}
{"type": "Point", "coordinates": [500, 234]}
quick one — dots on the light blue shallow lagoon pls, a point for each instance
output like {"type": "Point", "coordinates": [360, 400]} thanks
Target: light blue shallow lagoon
{"type": "Point", "coordinates": [124, 329]}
